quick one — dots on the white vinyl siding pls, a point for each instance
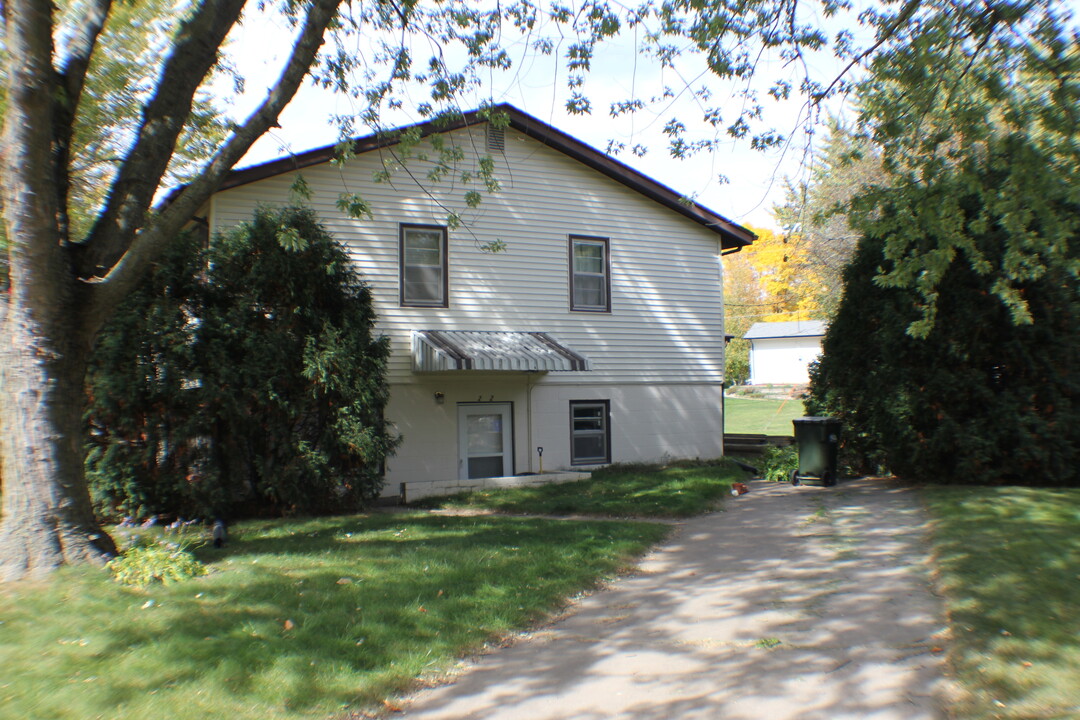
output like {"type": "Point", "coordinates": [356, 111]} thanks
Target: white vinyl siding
{"type": "Point", "coordinates": [649, 423]}
{"type": "Point", "coordinates": [666, 319]}
{"type": "Point", "coordinates": [783, 361]}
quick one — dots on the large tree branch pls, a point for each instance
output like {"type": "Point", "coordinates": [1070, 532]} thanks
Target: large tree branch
{"type": "Point", "coordinates": [885, 35]}
{"type": "Point", "coordinates": [194, 52]}
{"type": "Point", "coordinates": [74, 62]}
{"type": "Point", "coordinates": [178, 212]}
{"type": "Point", "coordinates": [75, 55]}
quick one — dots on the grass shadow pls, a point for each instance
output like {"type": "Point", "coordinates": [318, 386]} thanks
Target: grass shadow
{"type": "Point", "coordinates": [1009, 563]}
{"type": "Point", "coordinates": [297, 618]}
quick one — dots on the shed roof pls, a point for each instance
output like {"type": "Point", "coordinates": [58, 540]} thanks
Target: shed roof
{"type": "Point", "coordinates": [795, 328]}
{"type": "Point", "coordinates": [733, 236]}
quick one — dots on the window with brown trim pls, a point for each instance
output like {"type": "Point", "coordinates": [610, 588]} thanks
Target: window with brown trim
{"type": "Point", "coordinates": [590, 432]}
{"type": "Point", "coordinates": [422, 259]}
{"type": "Point", "coordinates": [590, 274]}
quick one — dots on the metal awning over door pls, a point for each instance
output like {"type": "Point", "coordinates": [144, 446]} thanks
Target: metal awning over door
{"type": "Point", "coordinates": [439, 350]}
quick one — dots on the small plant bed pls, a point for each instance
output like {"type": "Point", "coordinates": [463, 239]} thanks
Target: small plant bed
{"type": "Point", "coordinates": [1008, 560]}
{"type": "Point", "coordinates": [300, 619]}
{"type": "Point", "coordinates": [778, 464]}
{"type": "Point", "coordinates": [678, 490]}
{"type": "Point", "coordinates": [761, 416]}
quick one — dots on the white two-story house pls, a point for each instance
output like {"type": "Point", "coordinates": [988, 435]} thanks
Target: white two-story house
{"type": "Point", "coordinates": [596, 335]}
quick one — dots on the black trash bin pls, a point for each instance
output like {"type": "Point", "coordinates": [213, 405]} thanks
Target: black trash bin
{"type": "Point", "coordinates": [818, 441]}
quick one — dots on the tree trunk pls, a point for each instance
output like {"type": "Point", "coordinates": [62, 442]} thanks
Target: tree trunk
{"type": "Point", "coordinates": [46, 518]}
{"type": "Point", "coordinates": [51, 312]}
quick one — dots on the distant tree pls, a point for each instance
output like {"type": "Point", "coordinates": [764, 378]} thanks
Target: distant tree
{"type": "Point", "coordinates": [770, 281]}
{"type": "Point", "coordinates": [979, 399]}
{"type": "Point", "coordinates": [789, 283]}
{"type": "Point", "coordinates": [242, 379]}
{"type": "Point", "coordinates": [815, 213]}
{"type": "Point", "coordinates": [743, 303]}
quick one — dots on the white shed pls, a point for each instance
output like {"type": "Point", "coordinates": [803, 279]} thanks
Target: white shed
{"type": "Point", "coordinates": [781, 352]}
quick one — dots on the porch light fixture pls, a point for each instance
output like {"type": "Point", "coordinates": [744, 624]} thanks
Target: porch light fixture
{"type": "Point", "coordinates": [439, 398]}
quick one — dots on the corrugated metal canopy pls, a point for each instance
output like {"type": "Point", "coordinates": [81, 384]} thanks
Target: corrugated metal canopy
{"type": "Point", "coordinates": [437, 350]}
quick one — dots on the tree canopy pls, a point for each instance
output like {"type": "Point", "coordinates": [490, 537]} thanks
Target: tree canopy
{"type": "Point", "coordinates": [979, 399]}
{"type": "Point", "coordinates": [816, 215]}
{"type": "Point", "coordinates": [1003, 124]}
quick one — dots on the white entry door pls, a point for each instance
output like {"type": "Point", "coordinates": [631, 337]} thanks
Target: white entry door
{"type": "Point", "coordinates": [485, 440]}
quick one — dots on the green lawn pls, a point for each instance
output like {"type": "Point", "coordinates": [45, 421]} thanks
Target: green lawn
{"type": "Point", "coordinates": [1009, 562]}
{"type": "Point", "coordinates": [296, 619]}
{"type": "Point", "coordinates": [305, 619]}
{"type": "Point", "coordinates": [761, 416]}
{"type": "Point", "coordinates": [678, 490]}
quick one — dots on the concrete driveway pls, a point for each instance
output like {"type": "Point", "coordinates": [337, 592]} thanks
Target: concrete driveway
{"type": "Point", "coordinates": [809, 603]}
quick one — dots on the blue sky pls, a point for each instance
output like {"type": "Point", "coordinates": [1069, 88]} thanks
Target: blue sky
{"type": "Point", "coordinates": [536, 85]}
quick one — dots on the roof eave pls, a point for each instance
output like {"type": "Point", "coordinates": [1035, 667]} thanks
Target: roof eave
{"type": "Point", "coordinates": [733, 236]}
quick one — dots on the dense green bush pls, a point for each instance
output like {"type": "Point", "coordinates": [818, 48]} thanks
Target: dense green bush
{"type": "Point", "coordinates": [980, 399]}
{"type": "Point", "coordinates": [779, 462]}
{"type": "Point", "coordinates": [147, 563]}
{"type": "Point", "coordinates": [243, 378]}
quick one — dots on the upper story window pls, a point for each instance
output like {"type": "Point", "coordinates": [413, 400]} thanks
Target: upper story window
{"type": "Point", "coordinates": [423, 266]}
{"type": "Point", "coordinates": [590, 274]}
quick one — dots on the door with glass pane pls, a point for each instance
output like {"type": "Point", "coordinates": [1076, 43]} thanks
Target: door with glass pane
{"type": "Point", "coordinates": [485, 440]}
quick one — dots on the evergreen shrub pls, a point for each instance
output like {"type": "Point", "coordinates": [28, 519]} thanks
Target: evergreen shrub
{"type": "Point", "coordinates": [980, 399]}
{"type": "Point", "coordinates": [243, 378]}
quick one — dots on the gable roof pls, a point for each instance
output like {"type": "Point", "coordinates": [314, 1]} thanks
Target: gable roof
{"type": "Point", "coordinates": [733, 236]}
{"type": "Point", "coordinates": [795, 328]}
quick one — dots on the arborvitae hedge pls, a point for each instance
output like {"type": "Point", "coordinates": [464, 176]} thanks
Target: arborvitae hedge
{"type": "Point", "coordinates": [241, 379]}
{"type": "Point", "coordinates": [980, 400]}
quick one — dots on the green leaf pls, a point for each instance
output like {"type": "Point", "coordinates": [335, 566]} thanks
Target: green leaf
{"type": "Point", "coordinates": [354, 206]}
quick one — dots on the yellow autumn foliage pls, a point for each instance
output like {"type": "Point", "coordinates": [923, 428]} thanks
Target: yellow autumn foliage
{"type": "Point", "coordinates": [773, 280]}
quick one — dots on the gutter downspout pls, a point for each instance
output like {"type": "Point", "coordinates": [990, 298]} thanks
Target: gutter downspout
{"type": "Point", "coordinates": [529, 415]}
{"type": "Point", "coordinates": [723, 334]}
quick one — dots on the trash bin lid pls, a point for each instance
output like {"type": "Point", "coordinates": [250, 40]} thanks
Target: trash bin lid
{"type": "Point", "coordinates": [813, 419]}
